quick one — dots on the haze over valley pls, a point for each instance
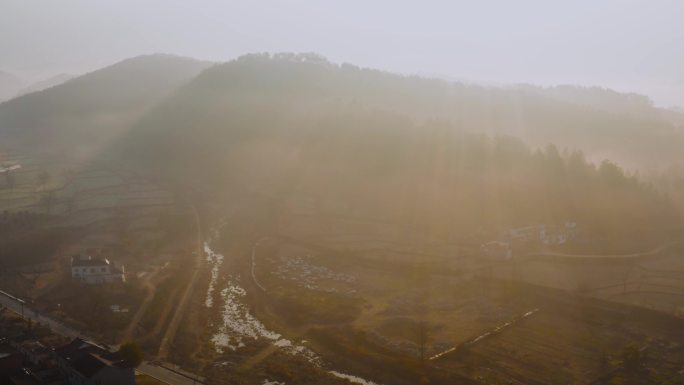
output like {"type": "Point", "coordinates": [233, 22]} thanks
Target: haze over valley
{"type": "Point", "coordinates": [286, 217]}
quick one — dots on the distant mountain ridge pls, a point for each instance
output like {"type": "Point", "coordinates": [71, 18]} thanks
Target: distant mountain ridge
{"type": "Point", "coordinates": [45, 84]}
{"type": "Point", "coordinates": [440, 156]}
{"type": "Point", "coordinates": [77, 118]}
{"type": "Point", "coordinates": [443, 156]}
{"type": "Point", "coordinates": [9, 85]}
{"type": "Point", "coordinates": [604, 124]}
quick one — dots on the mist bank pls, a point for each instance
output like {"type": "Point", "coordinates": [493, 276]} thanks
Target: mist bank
{"type": "Point", "coordinates": [99, 106]}
{"type": "Point", "coordinates": [299, 130]}
{"type": "Point", "coordinates": [79, 117]}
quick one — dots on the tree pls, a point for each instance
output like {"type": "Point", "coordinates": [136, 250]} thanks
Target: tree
{"type": "Point", "coordinates": [68, 174]}
{"type": "Point", "coordinates": [633, 358]}
{"type": "Point", "coordinates": [131, 354]}
{"type": "Point", "coordinates": [422, 339]}
{"type": "Point", "coordinates": [47, 200]}
{"type": "Point", "coordinates": [422, 328]}
{"type": "Point", "coordinates": [9, 178]}
{"type": "Point", "coordinates": [70, 204]}
{"type": "Point", "coordinates": [42, 179]}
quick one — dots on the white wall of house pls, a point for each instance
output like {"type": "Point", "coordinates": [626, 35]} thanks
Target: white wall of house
{"type": "Point", "coordinates": [97, 273]}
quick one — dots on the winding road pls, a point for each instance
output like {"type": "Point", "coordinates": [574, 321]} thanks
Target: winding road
{"type": "Point", "coordinates": [127, 335]}
{"type": "Point", "coordinates": [649, 253]}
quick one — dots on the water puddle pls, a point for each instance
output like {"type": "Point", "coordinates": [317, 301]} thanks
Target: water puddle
{"type": "Point", "coordinates": [353, 379]}
{"type": "Point", "coordinates": [214, 260]}
{"type": "Point", "coordinates": [239, 325]}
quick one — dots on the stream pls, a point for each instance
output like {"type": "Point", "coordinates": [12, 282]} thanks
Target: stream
{"type": "Point", "coordinates": [238, 326]}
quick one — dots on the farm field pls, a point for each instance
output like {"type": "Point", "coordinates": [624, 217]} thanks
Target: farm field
{"type": "Point", "coordinates": [369, 302]}
{"type": "Point", "coordinates": [83, 209]}
{"type": "Point", "coordinates": [584, 337]}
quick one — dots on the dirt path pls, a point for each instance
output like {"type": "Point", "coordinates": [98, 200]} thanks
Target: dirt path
{"type": "Point", "coordinates": [172, 329]}
{"type": "Point", "coordinates": [650, 253]}
{"type": "Point", "coordinates": [127, 334]}
{"type": "Point", "coordinates": [168, 308]}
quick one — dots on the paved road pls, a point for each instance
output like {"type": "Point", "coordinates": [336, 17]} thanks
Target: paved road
{"type": "Point", "coordinates": [166, 375]}
{"type": "Point", "coordinates": [15, 305]}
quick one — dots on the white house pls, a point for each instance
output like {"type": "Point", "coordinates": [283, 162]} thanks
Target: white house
{"type": "Point", "coordinates": [558, 235]}
{"type": "Point", "coordinates": [532, 233]}
{"type": "Point", "coordinates": [548, 235]}
{"type": "Point", "coordinates": [497, 250]}
{"type": "Point", "coordinates": [95, 270]}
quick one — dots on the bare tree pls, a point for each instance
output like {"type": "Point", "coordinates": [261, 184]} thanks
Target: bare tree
{"type": "Point", "coordinates": [47, 200]}
{"type": "Point", "coordinates": [42, 179]}
{"type": "Point", "coordinates": [421, 280]}
{"type": "Point", "coordinates": [10, 179]}
{"type": "Point", "coordinates": [422, 339]}
{"type": "Point", "coordinates": [68, 174]}
{"type": "Point", "coordinates": [70, 204]}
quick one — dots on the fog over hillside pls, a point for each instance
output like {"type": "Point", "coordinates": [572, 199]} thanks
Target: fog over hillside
{"type": "Point", "coordinates": [602, 123]}
{"type": "Point", "coordinates": [300, 125]}
{"type": "Point", "coordinates": [631, 46]}
{"type": "Point", "coordinates": [76, 119]}
{"type": "Point", "coordinates": [342, 192]}
{"type": "Point", "coordinates": [9, 85]}
{"type": "Point", "coordinates": [45, 84]}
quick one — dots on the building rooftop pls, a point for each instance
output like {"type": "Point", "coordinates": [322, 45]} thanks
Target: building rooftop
{"type": "Point", "coordinates": [77, 347]}
{"type": "Point", "coordinates": [35, 347]}
{"type": "Point", "coordinates": [88, 261]}
{"type": "Point", "coordinates": [87, 357]}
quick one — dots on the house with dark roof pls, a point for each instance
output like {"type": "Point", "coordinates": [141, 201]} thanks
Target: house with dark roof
{"type": "Point", "coordinates": [10, 361]}
{"type": "Point", "coordinates": [86, 363]}
{"type": "Point", "coordinates": [91, 270]}
{"type": "Point", "coordinates": [35, 352]}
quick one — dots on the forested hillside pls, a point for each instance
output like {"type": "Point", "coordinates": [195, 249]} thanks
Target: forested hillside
{"type": "Point", "coordinates": [76, 119]}
{"type": "Point", "coordinates": [448, 158]}
{"type": "Point", "coordinates": [9, 85]}
{"type": "Point", "coordinates": [415, 151]}
{"type": "Point", "coordinates": [604, 124]}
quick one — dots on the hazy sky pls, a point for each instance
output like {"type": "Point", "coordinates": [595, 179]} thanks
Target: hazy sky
{"type": "Point", "coordinates": [629, 45]}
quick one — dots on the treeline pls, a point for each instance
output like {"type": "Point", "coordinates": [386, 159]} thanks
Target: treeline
{"type": "Point", "coordinates": [290, 139]}
{"type": "Point", "coordinates": [76, 119]}
{"type": "Point", "coordinates": [19, 221]}
{"type": "Point", "coordinates": [604, 124]}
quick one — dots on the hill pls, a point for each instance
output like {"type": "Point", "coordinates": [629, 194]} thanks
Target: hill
{"type": "Point", "coordinates": [413, 151]}
{"type": "Point", "coordinates": [9, 85]}
{"type": "Point", "coordinates": [45, 84]}
{"type": "Point", "coordinates": [604, 124]}
{"type": "Point", "coordinates": [75, 119]}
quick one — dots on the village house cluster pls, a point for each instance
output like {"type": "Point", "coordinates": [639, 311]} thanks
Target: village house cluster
{"type": "Point", "coordinates": [540, 234]}
{"type": "Point", "coordinates": [27, 359]}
